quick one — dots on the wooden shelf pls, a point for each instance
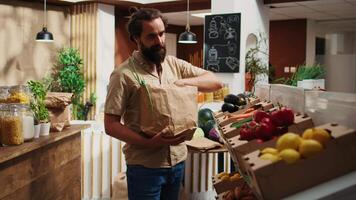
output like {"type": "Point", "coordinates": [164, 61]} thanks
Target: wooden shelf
{"type": "Point", "coordinates": [10, 152]}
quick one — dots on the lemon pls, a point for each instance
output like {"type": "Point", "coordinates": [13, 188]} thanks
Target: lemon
{"type": "Point", "coordinates": [270, 150]}
{"type": "Point", "coordinates": [288, 141]}
{"type": "Point", "coordinates": [289, 155]}
{"type": "Point", "coordinates": [270, 157]}
{"type": "Point", "coordinates": [308, 133]}
{"type": "Point", "coordinates": [319, 134]}
{"type": "Point", "coordinates": [310, 147]}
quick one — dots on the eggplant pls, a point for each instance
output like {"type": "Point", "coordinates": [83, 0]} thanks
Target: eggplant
{"type": "Point", "coordinates": [229, 107]}
{"type": "Point", "coordinates": [231, 98]}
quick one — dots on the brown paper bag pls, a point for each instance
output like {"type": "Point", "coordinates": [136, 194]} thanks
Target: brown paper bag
{"type": "Point", "coordinates": [168, 106]}
{"type": "Point", "coordinates": [58, 107]}
{"type": "Point", "coordinates": [59, 100]}
{"type": "Point", "coordinates": [119, 187]}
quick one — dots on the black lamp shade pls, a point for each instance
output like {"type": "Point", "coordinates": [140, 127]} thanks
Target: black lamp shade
{"type": "Point", "coordinates": [187, 37]}
{"type": "Point", "coordinates": [44, 36]}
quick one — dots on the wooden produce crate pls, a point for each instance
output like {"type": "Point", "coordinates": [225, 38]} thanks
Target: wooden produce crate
{"type": "Point", "coordinates": [301, 123]}
{"type": "Point", "coordinates": [221, 186]}
{"type": "Point", "coordinates": [238, 148]}
{"type": "Point", "coordinates": [229, 132]}
{"type": "Point", "coordinates": [253, 100]}
{"type": "Point", "coordinates": [277, 180]}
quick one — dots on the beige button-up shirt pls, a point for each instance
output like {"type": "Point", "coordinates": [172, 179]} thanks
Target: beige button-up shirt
{"type": "Point", "coordinates": [122, 99]}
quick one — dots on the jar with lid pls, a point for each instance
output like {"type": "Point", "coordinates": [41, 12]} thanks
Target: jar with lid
{"type": "Point", "coordinates": [11, 125]}
{"type": "Point", "coordinates": [19, 94]}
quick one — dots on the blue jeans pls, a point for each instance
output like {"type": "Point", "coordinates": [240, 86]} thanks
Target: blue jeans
{"type": "Point", "coordinates": [154, 184]}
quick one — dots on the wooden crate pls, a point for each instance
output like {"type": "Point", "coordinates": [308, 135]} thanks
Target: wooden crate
{"type": "Point", "coordinates": [238, 148]}
{"type": "Point", "coordinates": [221, 186]}
{"type": "Point", "coordinates": [277, 180]}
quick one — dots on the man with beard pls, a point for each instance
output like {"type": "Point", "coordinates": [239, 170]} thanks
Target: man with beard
{"type": "Point", "coordinates": [155, 165]}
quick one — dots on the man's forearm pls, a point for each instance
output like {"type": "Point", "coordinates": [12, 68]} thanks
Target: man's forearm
{"type": "Point", "coordinates": [119, 131]}
{"type": "Point", "coordinates": [207, 82]}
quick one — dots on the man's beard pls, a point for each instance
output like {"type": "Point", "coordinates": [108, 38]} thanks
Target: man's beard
{"type": "Point", "coordinates": [154, 54]}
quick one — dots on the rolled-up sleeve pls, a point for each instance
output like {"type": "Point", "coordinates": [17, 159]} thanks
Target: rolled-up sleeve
{"type": "Point", "coordinates": [117, 95]}
{"type": "Point", "coordinates": [188, 70]}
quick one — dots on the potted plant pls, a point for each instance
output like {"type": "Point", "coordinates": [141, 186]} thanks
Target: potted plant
{"type": "Point", "coordinates": [303, 73]}
{"type": "Point", "coordinates": [255, 66]}
{"type": "Point", "coordinates": [37, 105]}
{"type": "Point", "coordinates": [68, 77]}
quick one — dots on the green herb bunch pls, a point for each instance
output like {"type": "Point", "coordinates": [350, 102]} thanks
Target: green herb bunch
{"type": "Point", "coordinates": [37, 103]}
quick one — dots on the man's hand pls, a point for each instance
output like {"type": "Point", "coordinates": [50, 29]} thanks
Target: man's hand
{"type": "Point", "coordinates": [160, 139]}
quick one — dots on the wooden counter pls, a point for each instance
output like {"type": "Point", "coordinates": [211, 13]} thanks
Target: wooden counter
{"type": "Point", "coordinates": [45, 168]}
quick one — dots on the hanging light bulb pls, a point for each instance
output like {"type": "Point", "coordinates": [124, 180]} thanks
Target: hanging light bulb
{"type": "Point", "coordinates": [187, 37]}
{"type": "Point", "coordinates": [44, 35]}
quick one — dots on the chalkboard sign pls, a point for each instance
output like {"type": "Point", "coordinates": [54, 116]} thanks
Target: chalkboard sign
{"type": "Point", "coordinates": [222, 42]}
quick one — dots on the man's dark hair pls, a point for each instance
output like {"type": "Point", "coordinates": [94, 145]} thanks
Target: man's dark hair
{"type": "Point", "coordinates": [134, 26]}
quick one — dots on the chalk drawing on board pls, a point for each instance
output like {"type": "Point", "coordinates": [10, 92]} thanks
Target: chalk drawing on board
{"type": "Point", "coordinates": [213, 29]}
{"type": "Point", "coordinates": [230, 34]}
{"type": "Point", "coordinates": [232, 62]}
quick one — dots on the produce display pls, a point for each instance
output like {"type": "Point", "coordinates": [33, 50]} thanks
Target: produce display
{"type": "Point", "coordinates": [290, 147]}
{"type": "Point", "coordinates": [206, 122]}
{"type": "Point", "coordinates": [232, 103]}
{"type": "Point", "coordinates": [243, 192]}
{"type": "Point", "coordinates": [271, 145]}
{"type": "Point", "coordinates": [265, 126]}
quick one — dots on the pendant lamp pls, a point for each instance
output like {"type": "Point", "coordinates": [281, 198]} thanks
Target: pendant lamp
{"type": "Point", "coordinates": [44, 35]}
{"type": "Point", "coordinates": [187, 37]}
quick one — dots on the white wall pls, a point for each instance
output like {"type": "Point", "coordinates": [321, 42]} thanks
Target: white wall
{"type": "Point", "coordinates": [254, 19]}
{"type": "Point", "coordinates": [340, 62]}
{"type": "Point", "coordinates": [311, 36]}
{"type": "Point", "coordinates": [105, 50]}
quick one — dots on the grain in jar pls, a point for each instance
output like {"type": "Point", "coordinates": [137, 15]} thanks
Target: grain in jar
{"type": "Point", "coordinates": [11, 126]}
{"type": "Point", "coordinates": [19, 94]}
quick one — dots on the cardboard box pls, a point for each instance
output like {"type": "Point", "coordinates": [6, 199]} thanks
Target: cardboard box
{"type": "Point", "coordinates": [238, 148]}
{"type": "Point", "coordinates": [228, 132]}
{"type": "Point", "coordinates": [226, 185]}
{"type": "Point", "coordinates": [224, 120]}
{"type": "Point", "coordinates": [253, 100]}
{"type": "Point", "coordinates": [266, 105]}
{"type": "Point", "coordinates": [277, 180]}
{"type": "Point", "coordinates": [301, 123]}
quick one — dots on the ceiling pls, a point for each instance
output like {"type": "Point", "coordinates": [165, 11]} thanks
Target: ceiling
{"type": "Point", "coordinates": [316, 10]}
{"type": "Point", "coordinates": [338, 12]}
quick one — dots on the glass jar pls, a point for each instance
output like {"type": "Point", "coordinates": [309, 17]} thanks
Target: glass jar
{"type": "Point", "coordinates": [208, 97]}
{"type": "Point", "coordinates": [27, 122]}
{"type": "Point", "coordinates": [218, 96]}
{"type": "Point", "coordinates": [11, 125]}
{"type": "Point", "coordinates": [4, 93]}
{"type": "Point", "coordinates": [225, 90]}
{"type": "Point", "coordinates": [19, 94]}
{"type": "Point", "coordinates": [200, 97]}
